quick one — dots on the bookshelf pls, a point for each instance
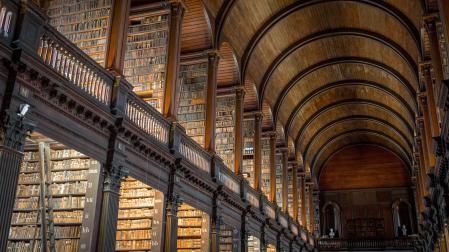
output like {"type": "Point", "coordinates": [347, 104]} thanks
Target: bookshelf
{"type": "Point", "coordinates": [139, 224]}
{"type": "Point", "coordinates": [225, 124]}
{"type": "Point", "coordinates": [248, 151]}
{"type": "Point", "coordinates": [146, 56]}
{"type": "Point", "coordinates": [279, 179]}
{"type": "Point", "coordinates": [271, 248]}
{"type": "Point", "coordinates": [253, 244]}
{"type": "Point", "coordinates": [53, 187]}
{"type": "Point", "coordinates": [192, 100]}
{"type": "Point", "coordinates": [265, 145]}
{"type": "Point", "coordinates": [290, 191]}
{"type": "Point", "coordinates": [85, 23]}
{"type": "Point", "coordinates": [226, 238]}
{"type": "Point", "coordinates": [193, 230]}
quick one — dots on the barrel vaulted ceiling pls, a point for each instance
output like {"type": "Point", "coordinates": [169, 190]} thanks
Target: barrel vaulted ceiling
{"type": "Point", "coordinates": [334, 72]}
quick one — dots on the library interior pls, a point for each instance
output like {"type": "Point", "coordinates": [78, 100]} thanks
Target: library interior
{"type": "Point", "coordinates": [224, 125]}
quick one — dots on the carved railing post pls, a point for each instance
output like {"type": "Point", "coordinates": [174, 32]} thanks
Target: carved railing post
{"type": "Point", "coordinates": [12, 138]}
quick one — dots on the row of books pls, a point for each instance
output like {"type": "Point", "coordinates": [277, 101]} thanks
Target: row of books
{"type": "Point", "coordinates": [225, 123]}
{"type": "Point", "coordinates": [62, 245]}
{"type": "Point", "coordinates": [29, 233]}
{"type": "Point", "coordinates": [140, 216]}
{"type": "Point", "coordinates": [248, 151]}
{"type": "Point", "coordinates": [145, 58]}
{"type": "Point", "coordinates": [85, 23]}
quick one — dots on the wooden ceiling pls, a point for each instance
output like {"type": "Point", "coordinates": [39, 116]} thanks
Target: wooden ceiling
{"type": "Point", "coordinates": [334, 72]}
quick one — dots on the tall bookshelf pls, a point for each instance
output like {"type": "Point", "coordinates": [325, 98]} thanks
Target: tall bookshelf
{"type": "Point", "coordinates": [192, 100]}
{"type": "Point", "coordinates": [279, 179]}
{"type": "Point", "coordinates": [266, 166]}
{"type": "Point", "coordinates": [85, 23]}
{"type": "Point", "coordinates": [226, 238]}
{"type": "Point", "coordinates": [139, 224]}
{"type": "Point", "coordinates": [146, 56]}
{"type": "Point", "coordinates": [53, 189]}
{"type": "Point", "coordinates": [193, 230]}
{"type": "Point", "coordinates": [300, 199]}
{"type": "Point", "coordinates": [253, 244]}
{"type": "Point", "coordinates": [248, 151]}
{"type": "Point", "coordinates": [225, 126]}
{"type": "Point", "coordinates": [290, 190]}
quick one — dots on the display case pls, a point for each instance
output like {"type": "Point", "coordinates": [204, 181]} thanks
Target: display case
{"type": "Point", "coordinates": [193, 230]}
{"type": "Point", "coordinates": [192, 100]}
{"type": "Point", "coordinates": [224, 131]}
{"type": "Point", "coordinates": [55, 191]}
{"type": "Point", "coordinates": [146, 56]}
{"type": "Point", "coordinates": [140, 215]}
{"type": "Point", "coordinates": [85, 23]}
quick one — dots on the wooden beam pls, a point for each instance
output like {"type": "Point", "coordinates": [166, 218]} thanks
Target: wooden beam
{"type": "Point", "coordinates": [258, 151]}
{"type": "Point", "coordinates": [238, 144]}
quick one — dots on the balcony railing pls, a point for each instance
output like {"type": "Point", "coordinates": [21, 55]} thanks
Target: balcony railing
{"type": "Point", "coordinates": [338, 244]}
{"type": "Point", "coordinates": [194, 153]}
{"type": "Point", "coordinates": [147, 118]}
{"type": "Point", "coordinates": [73, 64]}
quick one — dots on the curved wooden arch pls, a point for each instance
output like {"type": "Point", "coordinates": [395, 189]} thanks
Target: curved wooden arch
{"type": "Point", "coordinates": [386, 7]}
{"type": "Point", "coordinates": [352, 101]}
{"type": "Point", "coordinates": [355, 118]}
{"type": "Point", "coordinates": [221, 18]}
{"type": "Point", "coordinates": [332, 33]}
{"type": "Point", "coordinates": [329, 86]}
{"type": "Point", "coordinates": [334, 61]}
{"type": "Point", "coordinates": [318, 172]}
{"type": "Point", "coordinates": [405, 158]}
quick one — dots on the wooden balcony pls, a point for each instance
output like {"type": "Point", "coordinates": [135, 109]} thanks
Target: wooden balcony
{"type": "Point", "coordinates": [327, 244]}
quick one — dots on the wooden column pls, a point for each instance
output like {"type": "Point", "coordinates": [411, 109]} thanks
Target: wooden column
{"type": "Point", "coordinates": [116, 44]}
{"type": "Point", "coordinates": [12, 139]}
{"type": "Point", "coordinates": [295, 191]}
{"type": "Point", "coordinates": [432, 107]}
{"type": "Point", "coordinates": [172, 203]}
{"type": "Point", "coordinates": [173, 58]}
{"type": "Point", "coordinates": [258, 151]}
{"type": "Point", "coordinates": [211, 104]}
{"type": "Point", "coordinates": [273, 167]}
{"type": "Point", "coordinates": [215, 223]}
{"type": "Point", "coordinates": [238, 144]}
{"type": "Point", "coordinates": [285, 180]}
{"type": "Point", "coordinates": [303, 200]}
{"type": "Point", "coordinates": [113, 176]}
{"type": "Point", "coordinates": [426, 129]}
{"type": "Point", "coordinates": [430, 25]}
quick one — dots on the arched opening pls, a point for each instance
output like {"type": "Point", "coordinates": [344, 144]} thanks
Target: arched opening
{"type": "Point", "coordinates": [402, 218]}
{"type": "Point", "coordinates": [331, 220]}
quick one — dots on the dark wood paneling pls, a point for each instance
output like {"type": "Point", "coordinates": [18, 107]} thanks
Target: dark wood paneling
{"type": "Point", "coordinates": [363, 166]}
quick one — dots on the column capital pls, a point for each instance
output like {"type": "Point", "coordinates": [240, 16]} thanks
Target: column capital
{"type": "Point", "coordinates": [113, 177]}
{"type": "Point", "coordinates": [429, 21]}
{"type": "Point", "coordinates": [258, 116]}
{"type": "Point", "coordinates": [213, 54]}
{"type": "Point", "coordinates": [177, 7]}
{"type": "Point", "coordinates": [14, 130]}
{"type": "Point", "coordinates": [239, 92]}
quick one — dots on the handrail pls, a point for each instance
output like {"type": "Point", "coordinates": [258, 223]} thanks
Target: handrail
{"type": "Point", "coordinates": [194, 153]}
{"type": "Point", "coordinates": [147, 118]}
{"type": "Point", "coordinates": [72, 63]}
{"type": "Point", "coordinates": [229, 179]}
{"type": "Point", "coordinates": [252, 196]}
{"type": "Point", "coordinates": [398, 243]}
